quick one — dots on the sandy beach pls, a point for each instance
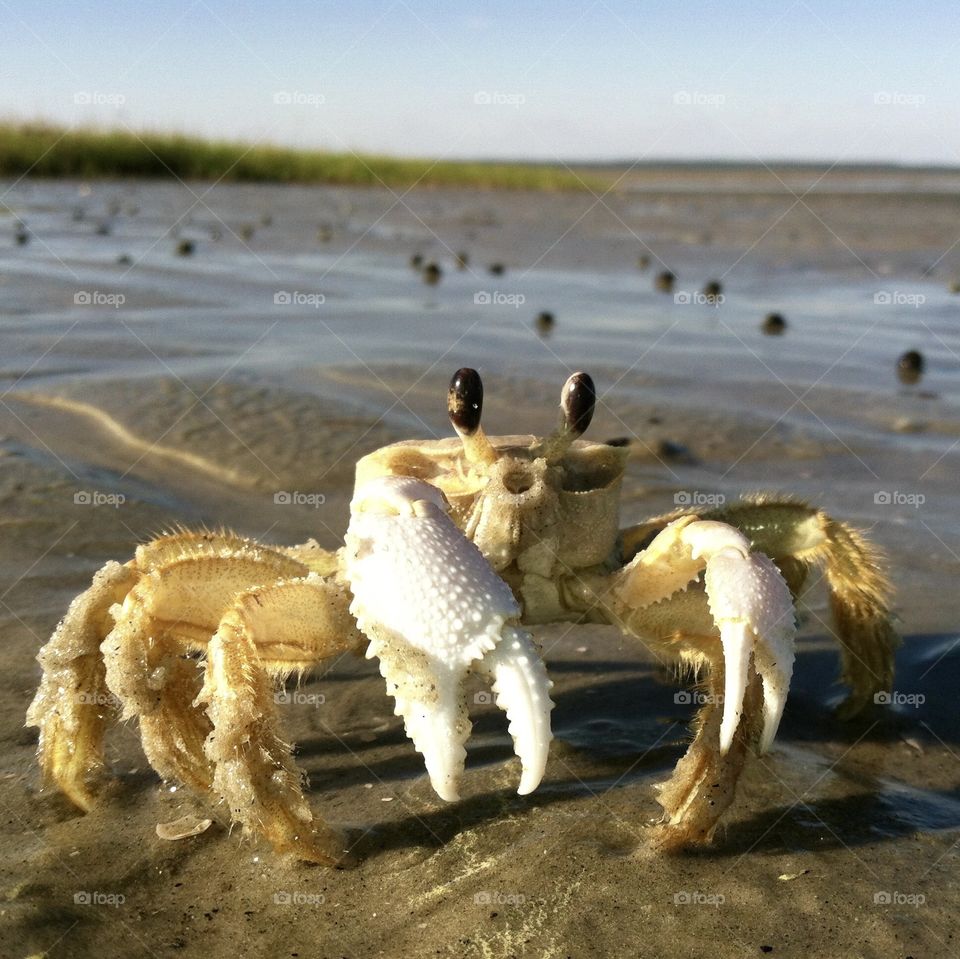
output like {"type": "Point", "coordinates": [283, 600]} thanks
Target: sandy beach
{"type": "Point", "coordinates": [143, 389]}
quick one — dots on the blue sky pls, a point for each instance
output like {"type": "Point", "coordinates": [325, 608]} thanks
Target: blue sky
{"type": "Point", "coordinates": [558, 80]}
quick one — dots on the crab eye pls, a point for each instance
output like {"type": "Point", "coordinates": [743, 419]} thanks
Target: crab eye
{"type": "Point", "coordinates": [578, 401]}
{"type": "Point", "coordinates": [465, 401]}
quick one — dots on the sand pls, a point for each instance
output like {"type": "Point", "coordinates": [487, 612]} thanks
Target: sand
{"type": "Point", "coordinates": [843, 839]}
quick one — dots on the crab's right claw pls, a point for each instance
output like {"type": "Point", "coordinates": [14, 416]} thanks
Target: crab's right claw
{"type": "Point", "coordinates": [434, 610]}
{"type": "Point", "coordinates": [752, 606]}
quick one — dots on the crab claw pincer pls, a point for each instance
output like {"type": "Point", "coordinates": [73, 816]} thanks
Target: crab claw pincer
{"type": "Point", "coordinates": [752, 606]}
{"type": "Point", "coordinates": [434, 610]}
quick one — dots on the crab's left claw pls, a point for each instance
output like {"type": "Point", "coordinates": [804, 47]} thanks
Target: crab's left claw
{"type": "Point", "coordinates": [753, 609]}
{"type": "Point", "coordinates": [433, 610]}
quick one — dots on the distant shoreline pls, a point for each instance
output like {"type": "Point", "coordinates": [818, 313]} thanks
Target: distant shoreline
{"type": "Point", "coordinates": [42, 150]}
{"type": "Point", "coordinates": [49, 151]}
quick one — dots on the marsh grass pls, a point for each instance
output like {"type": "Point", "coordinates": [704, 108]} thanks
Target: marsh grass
{"type": "Point", "coordinates": [47, 151]}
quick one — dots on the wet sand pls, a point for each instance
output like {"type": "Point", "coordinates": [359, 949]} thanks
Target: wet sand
{"type": "Point", "coordinates": [199, 398]}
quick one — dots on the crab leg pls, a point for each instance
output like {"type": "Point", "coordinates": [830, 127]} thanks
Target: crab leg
{"type": "Point", "coordinates": [433, 610]}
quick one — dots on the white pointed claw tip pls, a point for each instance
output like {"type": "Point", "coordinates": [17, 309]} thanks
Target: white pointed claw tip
{"type": "Point", "coordinates": [443, 755]}
{"type": "Point", "coordinates": [737, 640]}
{"type": "Point", "coordinates": [522, 690]}
{"type": "Point", "coordinates": [753, 609]}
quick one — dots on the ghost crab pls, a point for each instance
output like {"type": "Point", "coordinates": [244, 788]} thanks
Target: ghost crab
{"type": "Point", "coordinates": [454, 546]}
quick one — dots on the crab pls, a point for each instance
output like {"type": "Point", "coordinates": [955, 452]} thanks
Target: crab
{"type": "Point", "coordinates": [454, 549]}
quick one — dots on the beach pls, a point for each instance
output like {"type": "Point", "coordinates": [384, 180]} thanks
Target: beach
{"type": "Point", "coordinates": [237, 383]}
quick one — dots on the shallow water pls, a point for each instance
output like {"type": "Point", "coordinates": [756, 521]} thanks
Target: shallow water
{"type": "Point", "coordinates": [202, 393]}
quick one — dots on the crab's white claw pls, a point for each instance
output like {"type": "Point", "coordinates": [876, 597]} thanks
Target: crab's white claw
{"type": "Point", "coordinates": [433, 609]}
{"type": "Point", "coordinates": [521, 686]}
{"type": "Point", "coordinates": [753, 608]}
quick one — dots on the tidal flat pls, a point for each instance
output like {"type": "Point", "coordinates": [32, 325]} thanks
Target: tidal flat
{"type": "Point", "coordinates": [145, 387]}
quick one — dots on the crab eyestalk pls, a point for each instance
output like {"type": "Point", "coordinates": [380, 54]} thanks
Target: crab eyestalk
{"type": "Point", "coordinates": [465, 407]}
{"type": "Point", "coordinates": [578, 400]}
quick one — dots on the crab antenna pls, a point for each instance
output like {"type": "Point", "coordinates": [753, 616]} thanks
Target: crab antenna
{"type": "Point", "coordinates": [578, 400]}
{"type": "Point", "coordinates": [465, 407]}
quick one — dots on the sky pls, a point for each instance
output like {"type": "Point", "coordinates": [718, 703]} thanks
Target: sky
{"type": "Point", "coordinates": [601, 80]}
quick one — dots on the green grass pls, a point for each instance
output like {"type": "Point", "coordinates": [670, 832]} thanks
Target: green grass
{"type": "Point", "coordinates": [46, 151]}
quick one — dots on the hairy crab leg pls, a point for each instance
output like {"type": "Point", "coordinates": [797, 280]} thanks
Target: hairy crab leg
{"type": "Point", "coordinates": [270, 631]}
{"type": "Point", "coordinates": [73, 704]}
{"type": "Point", "coordinates": [433, 610]}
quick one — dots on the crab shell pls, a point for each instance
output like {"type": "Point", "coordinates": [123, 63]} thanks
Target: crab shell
{"type": "Point", "coordinates": [529, 513]}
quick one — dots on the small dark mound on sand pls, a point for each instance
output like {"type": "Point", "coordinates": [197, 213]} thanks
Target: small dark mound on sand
{"type": "Point", "coordinates": [463, 260]}
{"type": "Point", "coordinates": [416, 261]}
{"type": "Point", "coordinates": [673, 450]}
{"type": "Point", "coordinates": [496, 269]}
{"type": "Point", "coordinates": [713, 291]}
{"type": "Point", "coordinates": [664, 282]}
{"type": "Point", "coordinates": [544, 322]}
{"type": "Point", "coordinates": [910, 367]}
{"type": "Point", "coordinates": [185, 248]}
{"type": "Point", "coordinates": [432, 274]}
{"type": "Point", "coordinates": [774, 324]}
